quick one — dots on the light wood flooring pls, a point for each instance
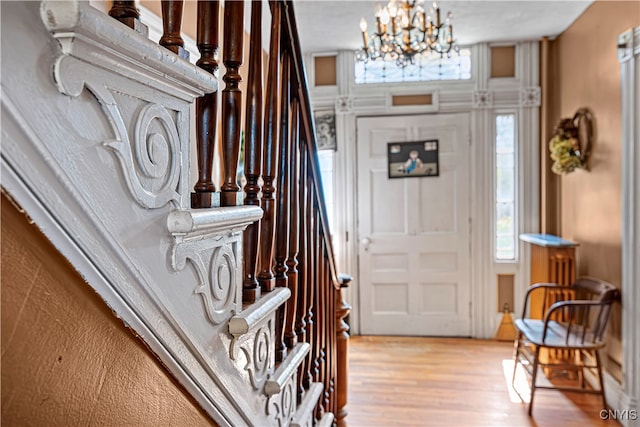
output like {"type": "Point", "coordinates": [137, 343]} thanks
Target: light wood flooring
{"type": "Point", "coordinates": [408, 381]}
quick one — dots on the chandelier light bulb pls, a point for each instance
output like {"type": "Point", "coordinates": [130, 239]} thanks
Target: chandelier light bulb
{"type": "Point", "coordinates": [405, 20]}
{"type": "Point", "coordinates": [393, 8]}
{"type": "Point", "coordinates": [384, 16]}
{"type": "Point", "coordinates": [363, 24]}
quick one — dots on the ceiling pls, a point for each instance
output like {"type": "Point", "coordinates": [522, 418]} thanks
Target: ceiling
{"type": "Point", "coordinates": [326, 26]}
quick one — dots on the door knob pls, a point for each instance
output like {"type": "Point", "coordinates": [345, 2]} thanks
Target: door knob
{"type": "Point", "coordinates": [365, 241]}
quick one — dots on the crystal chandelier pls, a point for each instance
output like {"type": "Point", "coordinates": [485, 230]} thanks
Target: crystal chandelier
{"type": "Point", "coordinates": [404, 30]}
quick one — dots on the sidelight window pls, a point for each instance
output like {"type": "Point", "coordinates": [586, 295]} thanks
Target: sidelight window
{"type": "Point", "coordinates": [505, 187]}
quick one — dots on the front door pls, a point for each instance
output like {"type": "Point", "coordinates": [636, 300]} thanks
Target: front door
{"type": "Point", "coordinates": [414, 233]}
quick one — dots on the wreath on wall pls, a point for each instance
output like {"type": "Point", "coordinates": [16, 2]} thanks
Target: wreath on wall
{"type": "Point", "coordinates": [570, 146]}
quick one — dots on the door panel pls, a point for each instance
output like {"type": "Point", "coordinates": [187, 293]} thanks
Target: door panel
{"type": "Point", "coordinates": [414, 247]}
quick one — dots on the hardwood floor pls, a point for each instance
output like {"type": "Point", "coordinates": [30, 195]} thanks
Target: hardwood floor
{"type": "Point", "coordinates": [408, 381]}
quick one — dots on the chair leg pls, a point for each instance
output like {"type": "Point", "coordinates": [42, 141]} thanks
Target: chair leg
{"type": "Point", "coordinates": [516, 353]}
{"type": "Point", "coordinates": [534, 374]}
{"type": "Point", "coordinates": [599, 368]}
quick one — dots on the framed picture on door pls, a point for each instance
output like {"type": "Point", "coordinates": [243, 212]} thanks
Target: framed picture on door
{"type": "Point", "coordinates": [413, 159]}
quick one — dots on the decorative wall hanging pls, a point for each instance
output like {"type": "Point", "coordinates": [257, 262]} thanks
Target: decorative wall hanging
{"type": "Point", "coordinates": [325, 129]}
{"type": "Point", "coordinates": [570, 146]}
{"type": "Point", "coordinates": [413, 159]}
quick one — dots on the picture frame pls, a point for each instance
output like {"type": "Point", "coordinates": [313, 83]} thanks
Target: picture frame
{"type": "Point", "coordinates": [413, 159]}
{"type": "Point", "coordinates": [325, 121]}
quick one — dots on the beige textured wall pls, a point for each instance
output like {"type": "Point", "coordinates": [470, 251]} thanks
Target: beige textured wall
{"type": "Point", "coordinates": [66, 359]}
{"type": "Point", "coordinates": [589, 76]}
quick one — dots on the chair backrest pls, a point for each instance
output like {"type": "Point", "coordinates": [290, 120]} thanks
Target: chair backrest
{"type": "Point", "coordinates": [596, 290]}
{"type": "Point", "coordinates": [592, 319]}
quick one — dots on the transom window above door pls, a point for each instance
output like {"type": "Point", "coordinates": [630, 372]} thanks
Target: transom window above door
{"type": "Point", "coordinates": [427, 67]}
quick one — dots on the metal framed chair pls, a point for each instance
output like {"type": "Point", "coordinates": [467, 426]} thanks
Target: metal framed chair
{"type": "Point", "coordinates": [574, 326]}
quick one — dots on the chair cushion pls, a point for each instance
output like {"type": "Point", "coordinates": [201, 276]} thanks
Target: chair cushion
{"type": "Point", "coordinates": [557, 336]}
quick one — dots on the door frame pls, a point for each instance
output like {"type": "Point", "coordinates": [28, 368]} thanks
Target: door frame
{"type": "Point", "coordinates": [463, 145]}
{"type": "Point", "coordinates": [482, 97]}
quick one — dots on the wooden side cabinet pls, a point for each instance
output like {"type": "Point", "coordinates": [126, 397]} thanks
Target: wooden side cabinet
{"type": "Point", "coordinates": [553, 260]}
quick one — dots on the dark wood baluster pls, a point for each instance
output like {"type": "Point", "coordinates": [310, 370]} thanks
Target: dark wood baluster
{"type": "Point", "coordinates": [290, 335]}
{"type": "Point", "coordinates": [231, 100]}
{"type": "Point", "coordinates": [342, 348]}
{"type": "Point", "coordinates": [270, 155]}
{"type": "Point", "coordinates": [327, 316]}
{"type": "Point", "coordinates": [126, 12]}
{"type": "Point", "coordinates": [311, 279]}
{"type": "Point", "coordinates": [282, 215]}
{"type": "Point", "coordinates": [204, 195]}
{"type": "Point", "coordinates": [301, 309]}
{"type": "Point", "coordinates": [321, 322]}
{"type": "Point", "coordinates": [317, 283]}
{"type": "Point", "coordinates": [171, 27]}
{"type": "Point", "coordinates": [253, 154]}
{"type": "Point", "coordinates": [332, 345]}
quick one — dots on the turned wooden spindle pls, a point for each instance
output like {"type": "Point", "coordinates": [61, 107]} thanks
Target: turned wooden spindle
{"type": "Point", "coordinates": [282, 213]}
{"type": "Point", "coordinates": [322, 329]}
{"type": "Point", "coordinates": [126, 12]}
{"type": "Point", "coordinates": [231, 100]}
{"type": "Point", "coordinates": [317, 284]}
{"type": "Point", "coordinates": [310, 278]}
{"type": "Point", "coordinates": [332, 334]}
{"type": "Point", "coordinates": [301, 310]}
{"type": "Point", "coordinates": [290, 335]}
{"type": "Point", "coordinates": [171, 27]}
{"type": "Point", "coordinates": [270, 155]}
{"type": "Point", "coordinates": [327, 316]}
{"type": "Point", "coordinates": [253, 154]}
{"type": "Point", "coordinates": [204, 195]}
{"type": "Point", "coordinates": [342, 349]}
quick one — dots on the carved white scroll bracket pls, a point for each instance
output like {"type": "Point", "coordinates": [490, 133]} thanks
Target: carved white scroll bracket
{"type": "Point", "coordinates": [281, 386]}
{"type": "Point", "coordinates": [281, 407]}
{"type": "Point", "coordinates": [211, 239]}
{"type": "Point", "coordinates": [253, 336]}
{"type": "Point", "coordinates": [144, 91]}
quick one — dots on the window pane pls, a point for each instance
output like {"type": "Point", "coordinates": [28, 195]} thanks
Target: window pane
{"type": "Point", "coordinates": [505, 185]}
{"type": "Point", "coordinates": [426, 67]}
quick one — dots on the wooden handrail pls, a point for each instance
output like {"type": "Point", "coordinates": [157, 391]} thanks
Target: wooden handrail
{"type": "Point", "coordinates": [307, 125]}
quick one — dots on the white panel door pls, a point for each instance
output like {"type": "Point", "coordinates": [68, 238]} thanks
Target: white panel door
{"type": "Point", "coordinates": [414, 233]}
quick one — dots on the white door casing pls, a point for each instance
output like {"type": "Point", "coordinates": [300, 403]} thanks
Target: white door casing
{"type": "Point", "coordinates": [414, 233]}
